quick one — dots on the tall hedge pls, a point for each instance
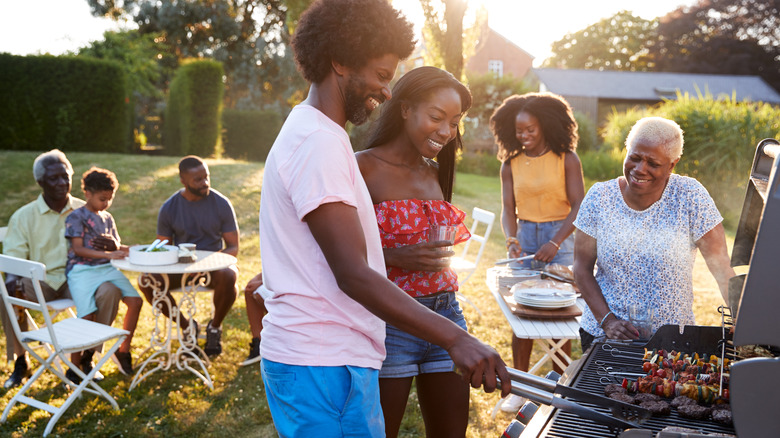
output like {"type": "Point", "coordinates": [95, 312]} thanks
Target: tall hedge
{"type": "Point", "coordinates": [71, 103]}
{"type": "Point", "coordinates": [249, 135]}
{"type": "Point", "coordinates": [192, 121]}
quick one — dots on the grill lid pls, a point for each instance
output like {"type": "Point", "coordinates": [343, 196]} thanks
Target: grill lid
{"type": "Point", "coordinates": [758, 243]}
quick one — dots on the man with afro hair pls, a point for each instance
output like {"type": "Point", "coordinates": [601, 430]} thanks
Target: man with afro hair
{"type": "Point", "coordinates": [326, 285]}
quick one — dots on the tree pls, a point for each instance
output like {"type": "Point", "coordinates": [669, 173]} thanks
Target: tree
{"type": "Point", "coordinates": [443, 32]}
{"type": "Point", "coordinates": [140, 56]}
{"type": "Point", "coordinates": [721, 36]}
{"type": "Point", "coordinates": [615, 43]}
{"type": "Point", "coordinates": [148, 65]}
{"type": "Point", "coordinates": [249, 37]}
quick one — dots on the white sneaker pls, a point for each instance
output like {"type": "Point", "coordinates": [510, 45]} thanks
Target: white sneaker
{"type": "Point", "coordinates": [512, 404]}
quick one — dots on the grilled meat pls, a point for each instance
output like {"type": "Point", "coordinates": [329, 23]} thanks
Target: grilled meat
{"type": "Point", "coordinates": [682, 400]}
{"type": "Point", "coordinates": [613, 388]}
{"type": "Point", "coordinates": [694, 411]}
{"type": "Point", "coordinates": [658, 407]}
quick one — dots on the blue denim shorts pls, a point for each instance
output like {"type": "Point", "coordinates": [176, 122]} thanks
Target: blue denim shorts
{"type": "Point", "coordinates": [333, 401]}
{"type": "Point", "coordinates": [408, 355]}
{"type": "Point", "coordinates": [532, 235]}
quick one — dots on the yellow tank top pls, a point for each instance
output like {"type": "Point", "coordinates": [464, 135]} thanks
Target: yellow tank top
{"type": "Point", "coordinates": [540, 187]}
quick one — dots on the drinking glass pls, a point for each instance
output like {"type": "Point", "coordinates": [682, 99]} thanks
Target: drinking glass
{"type": "Point", "coordinates": [640, 315]}
{"type": "Point", "coordinates": [443, 233]}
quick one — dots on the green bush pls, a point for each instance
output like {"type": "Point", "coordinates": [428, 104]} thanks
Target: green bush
{"type": "Point", "coordinates": [192, 122]}
{"type": "Point", "coordinates": [249, 134]}
{"type": "Point", "coordinates": [586, 132]}
{"type": "Point", "coordinates": [720, 141]}
{"type": "Point", "coordinates": [600, 166]}
{"type": "Point", "coordinates": [70, 103]}
{"type": "Point", "coordinates": [479, 163]}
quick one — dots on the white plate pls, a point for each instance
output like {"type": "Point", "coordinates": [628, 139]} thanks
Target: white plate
{"type": "Point", "coordinates": [548, 305]}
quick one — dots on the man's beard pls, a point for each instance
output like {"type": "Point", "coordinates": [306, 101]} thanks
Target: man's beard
{"type": "Point", "coordinates": [355, 98]}
{"type": "Point", "coordinates": [201, 193]}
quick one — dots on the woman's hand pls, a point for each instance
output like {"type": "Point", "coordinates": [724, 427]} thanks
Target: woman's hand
{"type": "Point", "coordinates": [546, 253]}
{"type": "Point", "coordinates": [426, 256]}
{"type": "Point", "coordinates": [514, 250]}
{"type": "Point", "coordinates": [616, 328]}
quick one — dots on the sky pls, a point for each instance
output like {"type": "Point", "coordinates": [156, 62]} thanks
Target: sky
{"type": "Point", "coordinates": [59, 26]}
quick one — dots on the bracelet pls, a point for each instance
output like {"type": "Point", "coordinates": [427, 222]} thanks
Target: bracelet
{"type": "Point", "coordinates": [555, 244]}
{"type": "Point", "coordinates": [511, 241]}
{"type": "Point", "coordinates": [601, 324]}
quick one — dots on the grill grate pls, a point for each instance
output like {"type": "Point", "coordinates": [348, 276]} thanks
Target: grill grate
{"type": "Point", "coordinates": [570, 425]}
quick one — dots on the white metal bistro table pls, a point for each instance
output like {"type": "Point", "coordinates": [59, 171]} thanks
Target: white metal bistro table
{"type": "Point", "coordinates": [544, 330]}
{"type": "Point", "coordinates": [193, 275]}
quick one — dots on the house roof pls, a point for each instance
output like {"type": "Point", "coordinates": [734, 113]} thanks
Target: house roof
{"type": "Point", "coordinates": [653, 85]}
{"type": "Point", "coordinates": [492, 33]}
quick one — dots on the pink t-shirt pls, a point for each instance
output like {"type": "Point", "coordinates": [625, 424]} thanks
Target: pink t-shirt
{"type": "Point", "coordinates": [310, 321]}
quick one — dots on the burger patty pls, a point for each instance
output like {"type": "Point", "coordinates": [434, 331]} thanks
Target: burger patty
{"type": "Point", "coordinates": [625, 398]}
{"type": "Point", "coordinates": [694, 411]}
{"type": "Point", "coordinates": [722, 414]}
{"type": "Point", "coordinates": [682, 400]}
{"type": "Point", "coordinates": [658, 407]}
{"type": "Point", "coordinates": [646, 397]}
{"type": "Point", "coordinates": [613, 388]}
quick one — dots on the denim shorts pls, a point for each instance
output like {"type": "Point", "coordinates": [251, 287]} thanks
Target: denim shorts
{"type": "Point", "coordinates": [532, 235]}
{"type": "Point", "coordinates": [332, 401]}
{"type": "Point", "coordinates": [408, 355]}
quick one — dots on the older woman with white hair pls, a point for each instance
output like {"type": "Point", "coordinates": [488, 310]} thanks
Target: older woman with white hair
{"type": "Point", "coordinates": [642, 231]}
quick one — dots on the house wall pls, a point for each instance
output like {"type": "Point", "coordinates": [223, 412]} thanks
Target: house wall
{"type": "Point", "coordinates": [516, 61]}
{"type": "Point", "coordinates": [597, 110]}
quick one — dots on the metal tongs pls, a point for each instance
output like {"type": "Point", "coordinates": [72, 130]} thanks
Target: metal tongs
{"type": "Point", "coordinates": [516, 259]}
{"type": "Point", "coordinates": [544, 391]}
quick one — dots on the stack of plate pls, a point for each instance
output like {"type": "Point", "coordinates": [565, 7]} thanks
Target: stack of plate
{"type": "Point", "coordinates": [544, 298]}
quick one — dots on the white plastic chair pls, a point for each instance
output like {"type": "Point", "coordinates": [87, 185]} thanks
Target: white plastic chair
{"type": "Point", "coordinates": [63, 338]}
{"type": "Point", "coordinates": [466, 264]}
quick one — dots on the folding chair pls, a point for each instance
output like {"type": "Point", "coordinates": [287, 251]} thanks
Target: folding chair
{"type": "Point", "coordinates": [466, 264]}
{"type": "Point", "coordinates": [55, 308]}
{"type": "Point", "coordinates": [63, 338]}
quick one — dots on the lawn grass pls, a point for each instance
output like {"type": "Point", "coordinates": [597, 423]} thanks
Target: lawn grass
{"type": "Point", "coordinates": [175, 403]}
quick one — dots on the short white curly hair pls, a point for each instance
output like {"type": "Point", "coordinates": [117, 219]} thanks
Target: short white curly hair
{"type": "Point", "coordinates": [46, 159]}
{"type": "Point", "coordinates": [657, 131]}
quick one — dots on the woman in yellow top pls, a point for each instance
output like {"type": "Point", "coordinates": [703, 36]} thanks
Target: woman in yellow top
{"type": "Point", "coordinates": [542, 188]}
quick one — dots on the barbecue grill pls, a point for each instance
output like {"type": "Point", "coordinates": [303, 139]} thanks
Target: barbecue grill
{"type": "Point", "coordinates": [755, 300]}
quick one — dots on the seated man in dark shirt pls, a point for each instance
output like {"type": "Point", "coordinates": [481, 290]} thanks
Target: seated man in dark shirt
{"type": "Point", "coordinates": [203, 216]}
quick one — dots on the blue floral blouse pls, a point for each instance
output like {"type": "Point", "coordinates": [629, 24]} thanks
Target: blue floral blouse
{"type": "Point", "coordinates": [647, 257]}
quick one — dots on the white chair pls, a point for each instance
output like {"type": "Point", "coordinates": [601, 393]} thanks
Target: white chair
{"type": "Point", "coordinates": [55, 306]}
{"type": "Point", "coordinates": [63, 338]}
{"type": "Point", "coordinates": [466, 264]}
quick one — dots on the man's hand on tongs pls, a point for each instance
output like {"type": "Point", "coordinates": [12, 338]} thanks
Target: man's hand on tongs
{"type": "Point", "coordinates": [479, 364]}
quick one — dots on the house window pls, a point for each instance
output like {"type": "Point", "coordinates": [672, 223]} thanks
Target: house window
{"type": "Point", "coordinates": [496, 66]}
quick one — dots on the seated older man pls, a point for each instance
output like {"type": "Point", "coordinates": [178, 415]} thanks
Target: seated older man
{"type": "Point", "coordinates": [37, 232]}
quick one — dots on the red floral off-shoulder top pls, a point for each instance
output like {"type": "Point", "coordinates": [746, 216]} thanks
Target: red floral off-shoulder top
{"type": "Point", "coordinates": [406, 222]}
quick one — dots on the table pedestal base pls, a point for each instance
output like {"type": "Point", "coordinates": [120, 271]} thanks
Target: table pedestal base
{"type": "Point", "coordinates": [188, 356]}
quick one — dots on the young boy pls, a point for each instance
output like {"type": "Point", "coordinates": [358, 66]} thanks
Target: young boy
{"type": "Point", "coordinates": [88, 267]}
